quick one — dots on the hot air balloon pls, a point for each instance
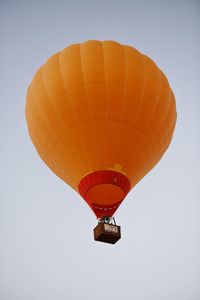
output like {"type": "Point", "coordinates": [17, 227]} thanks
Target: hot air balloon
{"type": "Point", "coordinates": [100, 115]}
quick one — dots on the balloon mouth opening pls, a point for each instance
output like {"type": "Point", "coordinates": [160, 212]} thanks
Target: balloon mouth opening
{"type": "Point", "coordinates": [104, 191]}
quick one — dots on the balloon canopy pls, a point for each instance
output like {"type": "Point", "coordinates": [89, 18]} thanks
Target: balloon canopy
{"type": "Point", "coordinates": [100, 115]}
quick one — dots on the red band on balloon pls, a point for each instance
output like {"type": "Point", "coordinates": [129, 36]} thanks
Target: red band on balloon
{"type": "Point", "coordinates": [104, 177]}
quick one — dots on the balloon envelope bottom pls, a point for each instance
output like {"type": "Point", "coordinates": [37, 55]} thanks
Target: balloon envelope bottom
{"type": "Point", "coordinates": [104, 191]}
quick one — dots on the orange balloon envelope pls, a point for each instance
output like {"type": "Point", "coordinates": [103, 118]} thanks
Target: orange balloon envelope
{"type": "Point", "coordinates": [100, 115]}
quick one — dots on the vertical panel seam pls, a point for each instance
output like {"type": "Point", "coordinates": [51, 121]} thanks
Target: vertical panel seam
{"type": "Point", "coordinates": [75, 117]}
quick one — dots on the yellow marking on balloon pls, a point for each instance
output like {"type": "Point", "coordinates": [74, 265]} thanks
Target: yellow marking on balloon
{"type": "Point", "coordinates": [117, 168]}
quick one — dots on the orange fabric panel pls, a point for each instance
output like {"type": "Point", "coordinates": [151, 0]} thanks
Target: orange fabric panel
{"type": "Point", "coordinates": [99, 106]}
{"type": "Point", "coordinates": [103, 194]}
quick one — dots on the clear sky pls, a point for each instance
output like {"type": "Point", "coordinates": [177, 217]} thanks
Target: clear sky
{"type": "Point", "coordinates": [46, 240]}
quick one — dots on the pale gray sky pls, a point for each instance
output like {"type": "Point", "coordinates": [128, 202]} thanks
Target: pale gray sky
{"type": "Point", "coordinates": [47, 250]}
